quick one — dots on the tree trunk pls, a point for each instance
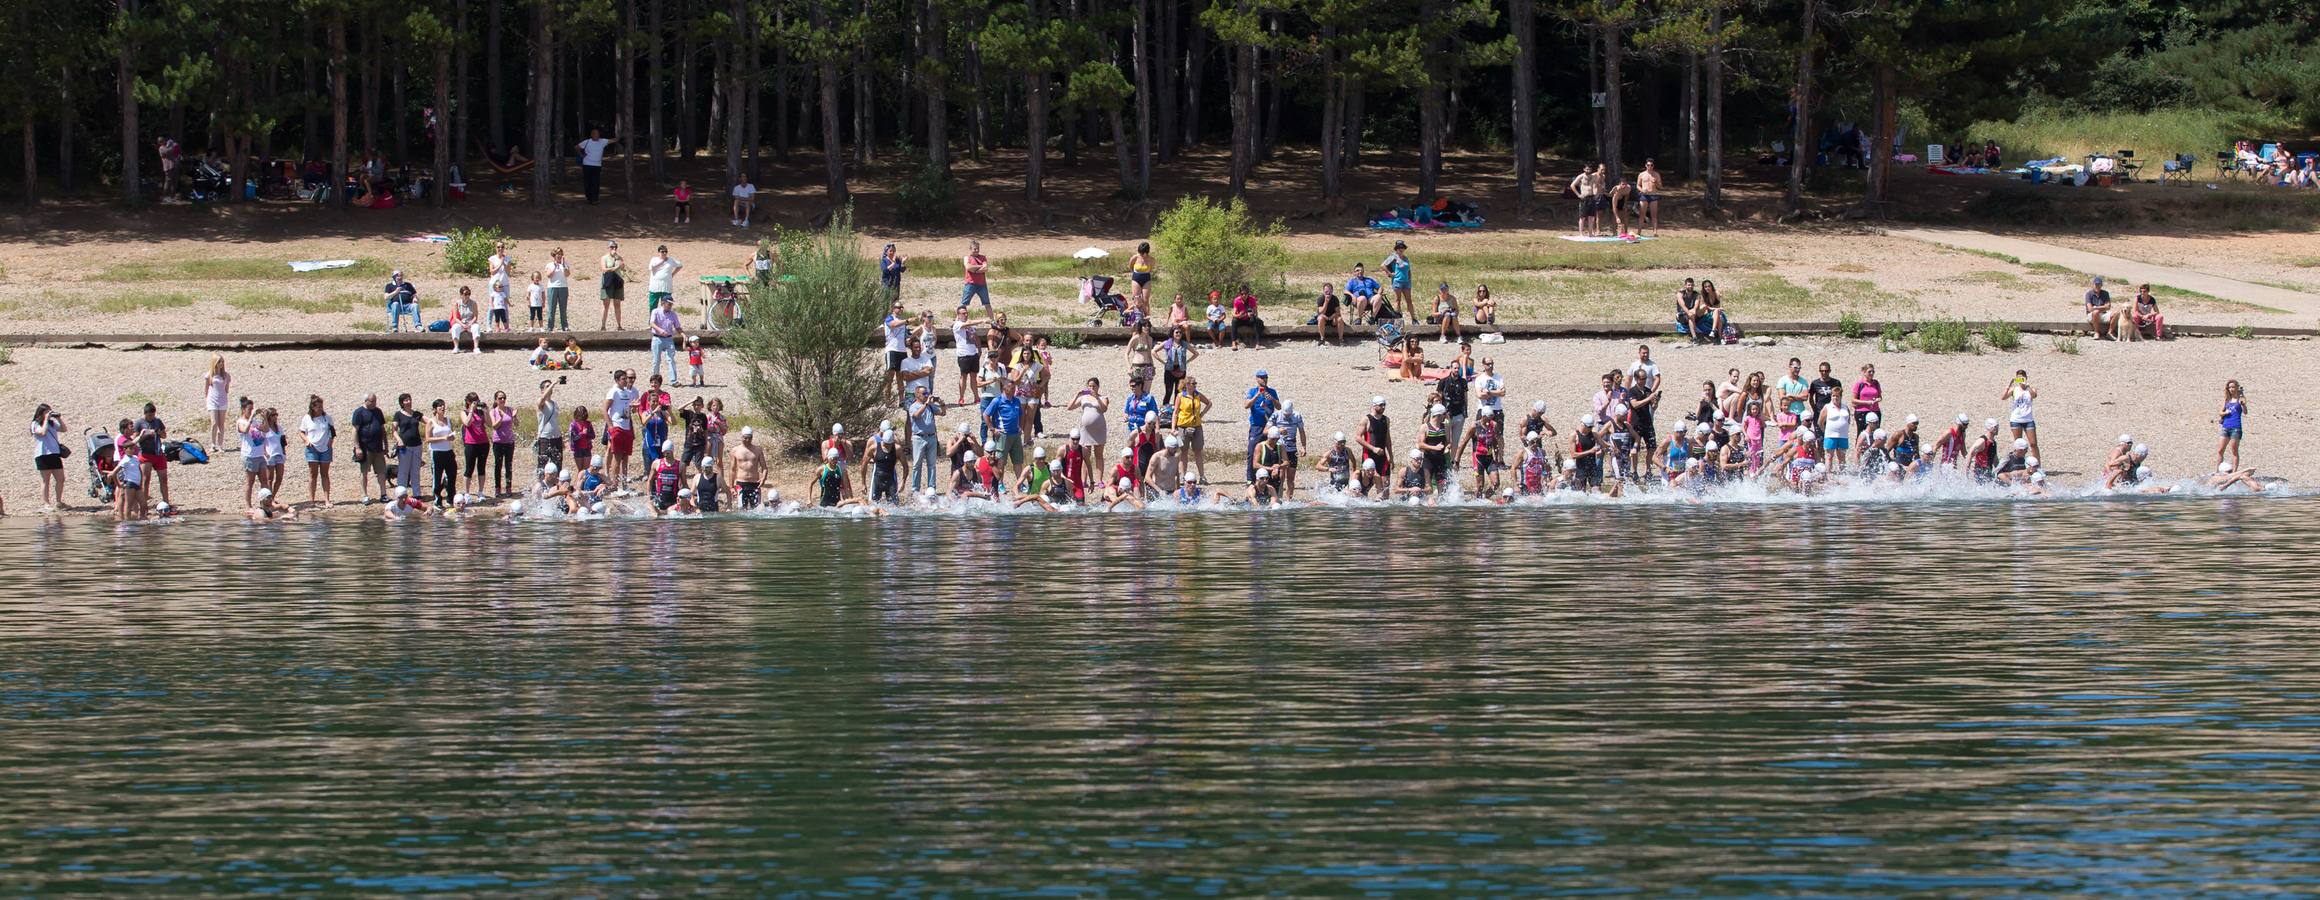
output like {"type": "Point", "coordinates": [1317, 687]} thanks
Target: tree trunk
{"type": "Point", "coordinates": [1194, 54]}
{"type": "Point", "coordinates": [454, 121]}
{"type": "Point", "coordinates": [543, 94]}
{"type": "Point", "coordinates": [1614, 118]}
{"type": "Point", "coordinates": [1242, 97]}
{"type": "Point", "coordinates": [654, 85]}
{"type": "Point", "coordinates": [310, 134]}
{"type": "Point", "coordinates": [67, 121]}
{"type": "Point", "coordinates": [1332, 117]}
{"type": "Point", "coordinates": [1162, 62]}
{"type": "Point", "coordinates": [624, 112]}
{"type": "Point", "coordinates": [495, 78]}
{"type": "Point", "coordinates": [1689, 119]}
{"type": "Point", "coordinates": [938, 106]}
{"type": "Point", "coordinates": [751, 133]}
{"type": "Point", "coordinates": [1522, 17]}
{"type": "Point", "coordinates": [339, 151]}
{"type": "Point", "coordinates": [781, 88]}
{"type": "Point", "coordinates": [31, 147]}
{"type": "Point", "coordinates": [1270, 135]}
{"type": "Point", "coordinates": [1801, 131]}
{"type": "Point", "coordinates": [1431, 110]}
{"type": "Point", "coordinates": [1139, 44]}
{"type": "Point", "coordinates": [1884, 84]}
{"type": "Point", "coordinates": [865, 128]}
{"type": "Point", "coordinates": [1712, 189]}
{"type": "Point", "coordinates": [1356, 97]}
{"type": "Point", "coordinates": [370, 91]}
{"type": "Point", "coordinates": [833, 149]}
{"type": "Point", "coordinates": [441, 193]}
{"type": "Point", "coordinates": [687, 105]}
{"type": "Point", "coordinates": [736, 85]}
{"type": "Point", "coordinates": [980, 138]}
{"type": "Point", "coordinates": [395, 111]}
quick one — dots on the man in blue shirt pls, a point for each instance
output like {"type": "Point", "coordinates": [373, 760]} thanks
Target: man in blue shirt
{"type": "Point", "coordinates": [1363, 290]}
{"type": "Point", "coordinates": [1140, 404]}
{"type": "Point", "coordinates": [1261, 403]}
{"type": "Point", "coordinates": [402, 296]}
{"type": "Point", "coordinates": [1003, 415]}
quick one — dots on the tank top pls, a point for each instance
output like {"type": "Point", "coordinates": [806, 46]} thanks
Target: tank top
{"type": "Point", "coordinates": [2231, 413]}
{"type": "Point", "coordinates": [2021, 412]}
{"type": "Point", "coordinates": [1187, 411]}
{"type": "Point", "coordinates": [217, 392]}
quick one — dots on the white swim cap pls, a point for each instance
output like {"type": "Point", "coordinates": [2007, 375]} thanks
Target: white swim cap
{"type": "Point", "coordinates": [2021, 443]}
{"type": "Point", "coordinates": [567, 476]}
{"type": "Point", "coordinates": [886, 425]}
{"type": "Point", "coordinates": [2030, 461]}
{"type": "Point", "coordinates": [684, 492]}
{"type": "Point", "coordinates": [2124, 439]}
{"type": "Point", "coordinates": [1377, 400]}
{"type": "Point", "coordinates": [1436, 410]}
{"type": "Point", "coordinates": [1508, 492]}
{"type": "Point", "coordinates": [1171, 442]}
{"type": "Point", "coordinates": [2223, 468]}
{"type": "Point", "coordinates": [401, 491]}
{"type": "Point", "coordinates": [1692, 463]}
{"type": "Point", "coordinates": [548, 468]}
{"type": "Point", "coordinates": [1127, 484]}
{"type": "Point", "coordinates": [2142, 449]}
{"type": "Point", "coordinates": [1417, 454]}
{"type": "Point", "coordinates": [1989, 423]}
{"type": "Point", "coordinates": [1570, 464]}
{"type": "Point", "coordinates": [964, 428]}
{"type": "Point", "coordinates": [265, 493]}
{"type": "Point", "coordinates": [1804, 434]}
{"type": "Point", "coordinates": [747, 431]}
{"type": "Point", "coordinates": [1341, 437]}
{"type": "Point", "coordinates": [1288, 406]}
{"type": "Point", "coordinates": [1870, 417]}
{"type": "Point", "coordinates": [1038, 453]}
{"type": "Point", "coordinates": [1713, 446]}
{"type": "Point", "coordinates": [1530, 437]}
{"type": "Point", "coordinates": [459, 499]}
{"type": "Point", "coordinates": [1963, 418]}
{"type": "Point", "coordinates": [2142, 472]}
{"type": "Point", "coordinates": [1877, 435]}
{"type": "Point", "coordinates": [970, 456]}
{"type": "Point", "coordinates": [669, 447]}
{"type": "Point", "coordinates": [1912, 419]}
{"type": "Point", "coordinates": [1701, 428]}
{"type": "Point", "coordinates": [1586, 421]}
{"type": "Point", "coordinates": [1369, 465]}
{"type": "Point", "coordinates": [1272, 431]}
{"type": "Point", "coordinates": [1127, 453]}
{"type": "Point", "coordinates": [2037, 478]}
{"type": "Point", "coordinates": [1820, 467]}
{"type": "Point", "coordinates": [1188, 479]}
{"type": "Point", "coordinates": [1538, 406]}
{"type": "Point", "coordinates": [831, 453]}
{"type": "Point", "coordinates": [1078, 435]}
{"type": "Point", "coordinates": [837, 428]}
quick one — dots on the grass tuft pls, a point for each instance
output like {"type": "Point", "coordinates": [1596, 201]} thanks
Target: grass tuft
{"type": "Point", "coordinates": [1946, 336]}
{"type": "Point", "coordinates": [2066, 345]}
{"type": "Point", "coordinates": [1849, 325]}
{"type": "Point", "coordinates": [233, 269]}
{"type": "Point", "coordinates": [277, 301]}
{"type": "Point", "coordinates": [2003, 335]}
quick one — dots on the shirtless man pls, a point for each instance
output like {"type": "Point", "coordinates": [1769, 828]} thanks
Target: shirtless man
{"type": "Point", "coordinates": [747, 463]}
{"type": "Point", "coordinates": [2225, 476]}
{"type": "Point", "coordinates": [1647, 187]}
{"type": "Point", "coordinates": [1622, 196]}
{"type": "Point", "coordinates": [1585, 186]}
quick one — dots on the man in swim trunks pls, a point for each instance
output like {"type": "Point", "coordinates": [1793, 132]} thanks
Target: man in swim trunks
{"type": "Point", "coordinates": [620, 433]}
{"type": "Point", "coordinates": [1647, 189]}
{"type": "Point", "coordinates": [747, 463]}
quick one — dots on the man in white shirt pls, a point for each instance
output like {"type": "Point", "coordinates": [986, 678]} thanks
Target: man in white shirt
{"type": "Point", "coordinates": [592, 163]}
{"type": "Point", "coordinates": [661, 277]}
{"type": "Point", "coordinates": [619, 436]}
{"type": "Point", "coordinates": [744, 201]}
{"type": "Point", "coordinates": [1493, 391]}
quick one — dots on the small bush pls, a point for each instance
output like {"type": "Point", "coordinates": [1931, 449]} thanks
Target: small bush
{"type": "Point", "coordinates": [2003, 335]}
{"type": "Point", "coordinates": [2066, 345]}
{"type": "Point", "coordinates": [1946, 336]}
{"type": "Point", "coordinates": [1210, 247]}
{"type": "Point", "coordinates": [1892, 336]}
{"type": "Point", "coordinates": [804, 362]}
{"type": "Point", "coordinates": [1849, 325]}
{"type": "Point", "coordinates": [2244, 332]}
{"type": "Point", "coordinates": [928, 197]}
{"type": "Point", "coordinates": [7, 355]}
{"type": "Point", "coordinates": [469, 252]}
{"type": "Point", "coordinates": [1067, 340]}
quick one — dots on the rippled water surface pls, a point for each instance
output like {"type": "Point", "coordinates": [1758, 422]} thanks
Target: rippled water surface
{"type": "Point", "coordinates": [2061, 697]}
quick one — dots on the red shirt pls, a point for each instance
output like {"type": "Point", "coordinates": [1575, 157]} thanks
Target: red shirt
{"type": "Point", "coordinates": [976, 261]}
{"type": "Point", "coordinates": [1244, 306]}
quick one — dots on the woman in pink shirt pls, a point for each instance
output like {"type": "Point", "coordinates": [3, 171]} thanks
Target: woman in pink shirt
{"type": "Point", "coordinates": [503, 444]}
{"type": "Point", "coordinates": [475, 433]}
{"type": "Point", "coordinates": [1867, 393]}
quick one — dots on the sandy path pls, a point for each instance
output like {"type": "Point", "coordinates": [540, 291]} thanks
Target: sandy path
{"type": "Point", "coordinates": [2126, 270]}
{"type": "Point", "coordinates": [2162, 393]}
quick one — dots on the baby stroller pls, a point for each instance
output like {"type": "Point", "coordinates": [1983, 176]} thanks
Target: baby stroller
{"type": "Point", "coordinates": [1097, 289]}
{"type": "Point", "coordinates": [210, 181]}
{"type": "Point", "coordinates": [101, 462]}
{"type": "Point", "coordinates": [1389, 337]}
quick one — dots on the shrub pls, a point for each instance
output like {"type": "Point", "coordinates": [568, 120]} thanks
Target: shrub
{"type": "Point", "coordinates": [2003, 335]}
{"type": "Point", "coordinates": [469, 252]}
{"type": "Point", "coordinates": [1892, 337]}
{"type": "Point", "coordinates": [1945, 336]}
{"type": "Point", "coordinates": [805, 363]}
{"type": "Point", "coordinates": [1210, 247]}
{"type": "Point", "coordinates": [1067, 340]}
{"type": "Point", "coordinates": [1849, 325]}
{"type": "Point", "coordinates": [928, 197]}
{"type": "Point", "coordinates": [2066, 345]}
{"type": "Point", "coordinates": [2244, 332]}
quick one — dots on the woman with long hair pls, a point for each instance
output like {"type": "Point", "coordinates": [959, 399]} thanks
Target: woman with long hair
{"type": "Point", "coordinates": [475, 433]}
{"type": "Point", "coordinates": [440, 431]}
{"type": "Point", "coordinates": [215, 388]}
{"type": "Point", "coordinates": [319, 434]}
{"type": "Point", "coordinates": [2232, 417]}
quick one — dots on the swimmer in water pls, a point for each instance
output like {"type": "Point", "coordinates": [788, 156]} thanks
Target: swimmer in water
{"type": "Point", "coordinates": [269, 509]}
{"type": "Point", "coordinates": [2227, 475]}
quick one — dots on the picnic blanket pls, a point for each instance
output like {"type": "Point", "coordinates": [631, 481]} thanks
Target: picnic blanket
{"type": "Point", "coordinates": [1605, 238]}
{"type": "Point", "coordinates": [317, 265]}
{"type": "Point", "coordinates": [1429, 374]}
{"type": "Point", "coordinates": [1959, 170]}
{"type": "Point", "coordinates": [424, 239]}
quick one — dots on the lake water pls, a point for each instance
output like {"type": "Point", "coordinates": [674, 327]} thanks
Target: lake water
{"type": "Point", "coordinates": [1859, 699]}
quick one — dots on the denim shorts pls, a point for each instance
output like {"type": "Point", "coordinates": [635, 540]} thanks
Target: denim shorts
{"type": "Point", "coordinates": [2232, 433]}
{"type": "Point", "coordinates": [317, 456]}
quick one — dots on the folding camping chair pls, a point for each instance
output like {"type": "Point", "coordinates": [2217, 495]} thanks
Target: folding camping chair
{"type": "Point", "coordinates": [2128, 166]}
{"type": "Point", "coordinates": [2178, 169]}
{"type": "Point", "coordinates": [2226, 164]}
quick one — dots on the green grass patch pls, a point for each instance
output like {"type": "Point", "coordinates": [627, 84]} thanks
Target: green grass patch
{"type": "Point", "coordinates": [1940, 336]}
{"type": "Point", "coordinates": [2173, 294]}
{"type": "Point", "coordinates": [1461, 268]}
{"type": "Point", "coordinates": [2244, 332]}
{"type": "Point", "coordinates": [234, 269]}
{"type": "Point", "coordinates": [2003, 335]}
{"type": "Point", "coordinates": [7, 355]}
{"type": "Point", "coordinates": [277, 301]}
{"type": "Point", "coordinates": [2154, 135]}
{"type": "Point", "coordinates": [2066, 345]}
{"type": "Point", "coordinates": [2004, 281]}
{"type": "Point", "coordinates": [1987, 254]}
{"type": "Point", "coordinates": [373, 325]}
{"type": "Point", "coordinates": [141, 301]}
{"type": "Point", "coordinates": [1849, 268]}
{"type": "Point", "coordinates": [2303, 262]}
{"type": "Point", "coordinates": [1860, 291]}
{"type": "Point", "coordinates": [2047, 268]}
{"type": "Point", "coordinates": [1849, 325]}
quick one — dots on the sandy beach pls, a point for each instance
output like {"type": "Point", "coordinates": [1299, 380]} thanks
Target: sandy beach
{"type": "Point", "coordinates": [2165, 394]}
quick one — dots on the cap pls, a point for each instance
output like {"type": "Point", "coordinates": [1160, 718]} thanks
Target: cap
{"type": "Point", "coordinates": [401, 491]}
{"type": "Point", "coordinates": [2141, 449]}
{"type": "Point", "coordinates": [1701, 428]}
{"type": "Point", "coordinates": [1288, 406]}
{"type": "Point", "coordinates": [2021, 443]}
{"type": "Point", "coordinates": [1171, 442]}
{"type": "Point", "coordinates": [1963, 418]}
{"type": "Point", "coordinates": [1713, 446]}
{"type": "Point", "coordinates": [970, 456]}
{"type": "Point", "coordinates": [1126, 484]}
{"type": "Point", "coordinates": [963, 428]}
{"type": "Point", "coordinates": [2223, 468]}
{"type": "Point", "coordinates": [1377, 400]}
{"type": "Point", "coordinates": [1586, 421]}
{"type": "Point", "coordinates": [747, 431]}
{"type": "Point", "coordinates": [1038, 453]}
{"type": "Point", "coordinates": [2098, 279]}
{"type": "Point", "coordinates": [1263, 374]}
{"type": "Point", "coordinates": [1538, 406]}
{"type": "Point", "coordinates": [886, 425]}
{"type": "Point", "coordinates": [837, 428]}
{"type": "Point", "coordinates": [398, 273]}
{"type": "Point", "coordinates": [1436, 410]}
{"type": "Point", "coordinates": [684, 492]}
{"type": "Point", "coordinates": [831, 453]}
{"type": "Point", "coordinates": [1369, 465]}
{"type": "Point", "coordinates": [1989, 423]}
{"type": "Point", "coordinates": [2030, 461]}
{"type": "Point", "coordinates": [1189, 478]}
{"type": "Point", "coordinates": [2126, 439]}
{"type": "Point", "coordinates": [567, 476]}
{"type": "Point", "coordinates": [264, 493]}
{"type": "Point", "coordinates": [1341, 437]}
{"type": "Point", "coordinates": [1804, 434]}
{"type": "Point", "coordinates": [1078, 435]}
{"type": "Point", "coordinates": [1417, 454]}
{"type": "Point", "coordinates": [1530, 437]}
{"type": "Point", "coordinates": [2037, 478]}
{"type": "Point", "coordinates": [669, 447]}
{"type": "Point", "coordinates": [1912, 419]}
{"type": "Point", "coordinates": [1872, 417]}
{"type": "Point", "coordinates": [1877, 435]}
{"type": "Point", "coordinates": [1272, 431]}
{"type": "Point", "coordinates": [1692, 463]}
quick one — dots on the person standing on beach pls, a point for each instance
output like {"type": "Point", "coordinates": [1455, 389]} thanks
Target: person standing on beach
{"type": "Point", "coordinates": [660, 277]}
{"type": "Point", "coordinates": [320, 435]}
{"type": "Point", "coordinates": [612, 286]}
{"type": "Point", "coordinates": [370, 449]}
{"type": "Point", "coordinates": [1261, 401]}
{"type": "Point", "coordinates": [440, 432]}
{"type": "Point", "coordinates": [2021, 421]}
{"type": "Point", "coordinates": [1399, 274]}
{"type": "Point", "coordinates": [592, 163]}
{"type": "Point", "coordinates": [216, 387]}
{"type": "Point", "coordinates": [1647, 186]}
{"type": "Point", "coordinates": [151, 434]}
{"type": "Point", "coordinates": [976, 267]}
{"type": "Point", "coordinates": [48, 455]}
{"type": "Point", "coordinates": [1794, 396]}
{"type": "Point", "coordinates": [619, 439]}
{"type": "Point", "coordinates": [410, 435]}
{"type": "Point", "coordinates": [548, 435]}
{"type": "Point", "coordinates": [891, 265]}
{"type": "Point", "coordinates": [556, 276]}
{"type": "Point", "coordinates": [664, 326]}
{"type": "Point", "coordinates": [1583, 188]}
{"type": "Point", "coordinates": [2232, 419]}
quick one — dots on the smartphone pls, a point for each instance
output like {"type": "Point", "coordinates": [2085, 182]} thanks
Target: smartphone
{"type": "Point", "coordinates": [560, 379]}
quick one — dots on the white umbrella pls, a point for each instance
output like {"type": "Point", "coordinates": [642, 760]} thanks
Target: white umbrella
{"type": "Point", "coordinates": [1088, 253]}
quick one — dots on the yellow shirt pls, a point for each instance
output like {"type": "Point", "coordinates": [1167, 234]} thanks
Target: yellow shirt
{"type": "Point", "coordinates": [1188, 411]}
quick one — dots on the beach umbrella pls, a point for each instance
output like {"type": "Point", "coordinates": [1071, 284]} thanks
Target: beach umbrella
{"type": "Point", "coordinates": [1087, 253]}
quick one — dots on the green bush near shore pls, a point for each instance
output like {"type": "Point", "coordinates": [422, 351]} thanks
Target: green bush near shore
{"type": "Point", "coordinates": [1940, 336]}
{"type": "Point", "coordinates": [234, 269]}
{"type": "Point", "coordinates": [1219, 247]}
{"type": "Point", "coordinates": [2154, 136]}
{"type": "Point", "coordinates": [2003, 335]}
{"type": "Point", "coordinates": [469, 252]}
{"type": "Point", "coordinates": [803, 361]}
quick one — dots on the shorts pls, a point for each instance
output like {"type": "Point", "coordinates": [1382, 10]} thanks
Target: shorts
{"type": "Point", "coordinates": [620, 442]}
{"type": "Point", "coordinates": [1485, 463]}
{"type": "Point", "coordinates": [1008, 447]}
{"type": "Point", "coordinates": [968, 364]}
{"type": "Point", "coordinates": [48, 462]}
{"type": "Point", "coordinates": [317, 456]}
{"type": "Point", "coordinates": [1292, 457]}
{"type": "Point", "coordinates": [2025, 424]}
{"type": "Point", "coordinates": [662, 500]}
{"type": "Point", "coordinates": [747, 490]}
{"type": "Point", "coordinates": [1651, 198]}
{"type": "Point", "coordinates": [1140, 277]}
{"type": "Point", "coordinates": [499, 315]}
{"type": "Point", "coordinates": [612, 285]}
{"type": "Point", "coordinates": [153, 462]}
{"type": "Point", "coordinates": [253, 464]}
{"type": "Point", "coordinates": [894, 360]}
{"type": "Point", "coordinates": [1190, 437]}
{"type": "Point", "coordinates": [2231, 433]}
{"type": "Point", "coordinates": [1836, 443]}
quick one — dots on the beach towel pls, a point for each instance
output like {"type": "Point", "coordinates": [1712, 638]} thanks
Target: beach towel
{"type": "Point", "coordinates": [424, 239]}
{"type": "Point", "coordinates": [1604, 239]}
{"type": "Point", "coordinates": [317, 265]}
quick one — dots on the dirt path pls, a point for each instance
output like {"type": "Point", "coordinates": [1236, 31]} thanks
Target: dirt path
{"type": "Point", "coordinates": [2118, 268]}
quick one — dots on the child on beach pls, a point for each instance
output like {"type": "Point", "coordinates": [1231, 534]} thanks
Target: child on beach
{"type": "Point", "coordinates": [683, 196]}
{"type": "Point", "coordinates": [693, 359]}
{"type": "Point", "coordinates": [1215, 319]}
{"type": "Point", "coordinates": [535, 298]}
